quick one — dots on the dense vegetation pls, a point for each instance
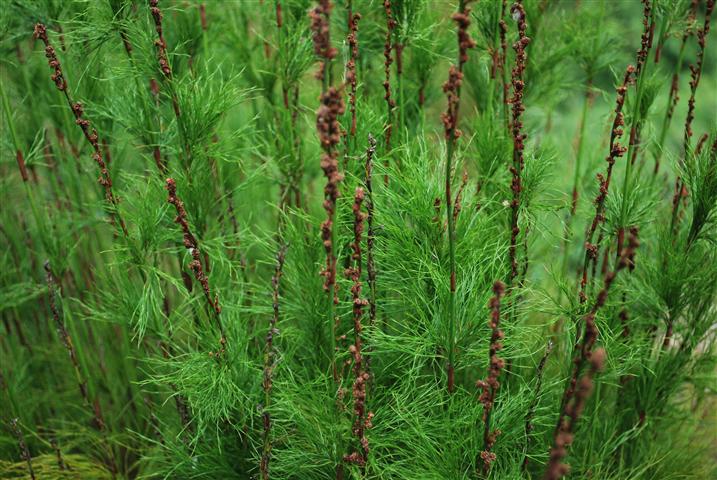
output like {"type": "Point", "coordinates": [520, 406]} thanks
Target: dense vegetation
{"type": "Point", "coordinates": [328, 240]}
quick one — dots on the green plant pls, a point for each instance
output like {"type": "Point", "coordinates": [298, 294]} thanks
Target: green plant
{"type": "Point", "coordinates": [265, 306]}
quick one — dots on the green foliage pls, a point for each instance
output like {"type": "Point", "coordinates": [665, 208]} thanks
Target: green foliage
{"type": "Point", "coordinates": [123, 366]}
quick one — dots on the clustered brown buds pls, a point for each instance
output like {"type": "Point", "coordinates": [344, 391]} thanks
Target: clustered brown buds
{"type": "Point", "coordinates": [490, 386]}
{"type": "Point", "coordinates": [270, 360]}
{"type": "Point", "coordinates": [465, 42]}
{"type": "Point", "coordinates": [564, 437]}
{"type": "Point", "coordinates": [696, 70]}
{"type": "Point", "coordinates": [90, 133]}
{"type": "Point", "coordinates": [674, 96]}
{"type": "Point", "coordinates": [388, 60]}
{"type": "Point", "coordinates": [57, 77]}
{"type": "Point", "coordinates": [616, 151]}
{"type": "Point", "coordinates": [516, 127]}
{"type": "Point", "coordinates": [162, 56]}
{"type": "Point", "coordinates": [580, 384]}
{"type": "Point", "coordinates": [329, 129]}
{"type": "Point", "coordinates": [648, 30]}
{"type": "Point", "coordinates": [362, 421]}
{"type": "Point", "coordinates": [190, 243]}
{"type": "Point", "coordinates": [351, 67]}
{"type": "Point", "coordinates": [642, 54]}
{"type": "Point", "coordinates": [320, 25]}
{"type": "Point", "coordinates": [160, 43]}
{"type": "Point", "coordinates": [452, 86]}
{"type": "Point", "coordinates": [497, 52]}
{"type": "Point", "coordinates": [695, 74]}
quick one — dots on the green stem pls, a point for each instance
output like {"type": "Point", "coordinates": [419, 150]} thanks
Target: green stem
{"type": "Point", "coordinates": [668, 114]}
{"type": "Point", "coordinates": [452, 261]}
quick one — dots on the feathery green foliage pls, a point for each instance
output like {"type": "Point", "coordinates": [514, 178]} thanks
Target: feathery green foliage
{"type": "Point", "coordinates": [202, 344]}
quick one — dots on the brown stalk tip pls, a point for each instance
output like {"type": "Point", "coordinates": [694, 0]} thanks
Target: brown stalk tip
{"type": "Point", "coordinates": [40, 32]}
{"type": "Point", "coordinates": [351, 79]}
{"type": "Point", "coordinates": [490, 386]}
{"type": "Point", "coordinates": [160, 43]}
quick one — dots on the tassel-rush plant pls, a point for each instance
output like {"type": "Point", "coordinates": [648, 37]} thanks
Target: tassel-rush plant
{"type": "Point", "coordinates": [358, 240]}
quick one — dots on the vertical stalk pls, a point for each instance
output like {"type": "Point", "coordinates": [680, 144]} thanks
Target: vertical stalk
{"type": "Point", "coordinates": [452, 88]}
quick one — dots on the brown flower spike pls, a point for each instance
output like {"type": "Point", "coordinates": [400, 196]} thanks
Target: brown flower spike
{"type": "Point", "coordinates": [190, 243]}
{"type": "Point", "coordinates": [90, 134]}
{"type": "Point", "coordinates": [362, 421]}
{"type": "Point", "coordinates": [351, 68]}
{"type": "Point", "coordinates": [490, 386]}
{"type": "Point", "coordinates": [516, 128]}
{"type": "Point", "coordinates": [616, 151]}
{"type": "Point", "coordinates": [580, 384]}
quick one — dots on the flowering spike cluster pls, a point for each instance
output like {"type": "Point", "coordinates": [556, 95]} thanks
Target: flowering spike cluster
{"type": "Point", "coordinates": [351, 67]}
{"type": "Point", "coordinates": [674, 97]}
{"type": "Point", "coordinates": [616, 151]}
{"type": "Point", "coordinates": [270, 361]}
{"type": "Point", "coordinates": [388, 60]}
{"type": "Point", "coordinates": [674, 87]}
{"type": "Point", "coordinates": [90, 133]}
{"type": "Point", "coordinates": [57, 77]}
{"type": "Point", "coordinates": [564, 438]}
{"type": "Point", "coordinates": [327, 124]}
{"type": "Point", "coordinates": [490, 387]}
{"type": "Point", "coordinates": [160, 43]}
{"type": "Point", "coordinates": [516, 126]}
{"type": "Point", "coordinates": [362, 420]}
{"type": "Point", "coordinates": [452, 87]}
{"type": "Point", "coordinates": [696, 71]}
{"type": "Point", "coordinates": [322, 41]}
{"type": "Point", "coordinates": [190, 243]}
{"type": "Point", "coordinates": [648, 30]}
{"type": "Point", "coordinates": [580, 386]}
